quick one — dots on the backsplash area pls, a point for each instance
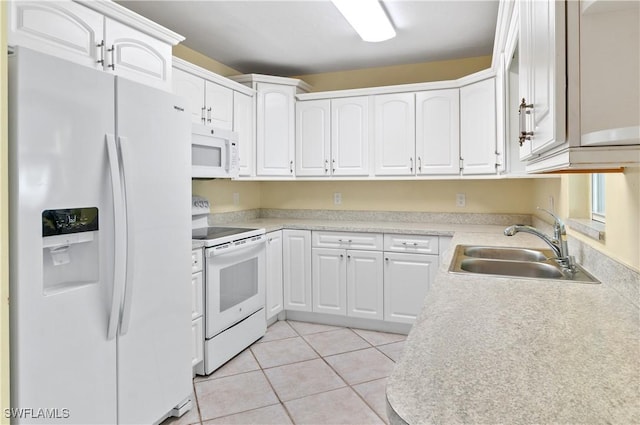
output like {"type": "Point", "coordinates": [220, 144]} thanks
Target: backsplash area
{"type": "Point", "coordinates": [622, 278]}
{"type": "Point", "coordinates": [350, 215]}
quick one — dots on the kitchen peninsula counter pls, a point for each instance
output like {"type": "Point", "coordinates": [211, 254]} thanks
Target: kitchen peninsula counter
{"type": "Point", "coordinates": [490, 349]}
{"type": "Point", "coordinates": [507, 350]}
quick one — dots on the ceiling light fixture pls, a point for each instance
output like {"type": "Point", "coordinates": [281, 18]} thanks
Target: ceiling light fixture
{"type": "Point", "coordinates": [368, 19]}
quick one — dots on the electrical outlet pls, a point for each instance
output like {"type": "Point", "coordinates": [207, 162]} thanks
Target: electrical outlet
{"type": "Point", "coordinates": [461, 200]}
{"type": "Point", "coordinates": [236, 198]}
{"type": "Point", "coordinates": [337, 198]}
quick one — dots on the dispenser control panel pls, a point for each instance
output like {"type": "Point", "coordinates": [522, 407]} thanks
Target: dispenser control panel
{"type": "Point", "coordinates": [69, 220]}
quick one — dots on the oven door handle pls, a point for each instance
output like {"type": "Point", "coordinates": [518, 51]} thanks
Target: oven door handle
{"type": "Point", "coordinates": [235, 246]}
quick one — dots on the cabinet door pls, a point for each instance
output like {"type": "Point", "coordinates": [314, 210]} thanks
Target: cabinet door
{"type": "Point", "coordinates": [329, 270]}
{"type": "Point", "coordinates": [243, 108]}
{"type": "Point", "coordinates": [394, 135]}
{"type": "Point", "coordinates": [313, 132]}
{"type": "Point", "coordinates": [219, 105]}
{"type": "Point", "coordinates": [197, 341]}
{"type": "Point", "coordinates": [191, 87]}
{"type": "Point", "coordinates": [63, 28]}
{"type": "Point", "coordinates": [197, 300]}
{"type": "Point", "coordinates": [478, 127]}
{"type": "Point", "coordinates": [365, 290]}
{"type": "Point", "coordinates": [275, 123]}
{"type": "Point", "coordinates": [542, 72]}
{"type": "Point", "coordinates": [275, 294]}
{"type": "Point", "coordinates": [350, 136]}
{"type": "Point", "coordinates": [296, 251]}
{"type": "Point", "coordinates": [137, 56]}
{"type": "Point", "coordinates": [438, 132]}
{"type": "Point", "coordinates": [406, 281]}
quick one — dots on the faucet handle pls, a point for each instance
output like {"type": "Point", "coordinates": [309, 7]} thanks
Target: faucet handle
{"type": "Point", "coordinates": [558, 225]}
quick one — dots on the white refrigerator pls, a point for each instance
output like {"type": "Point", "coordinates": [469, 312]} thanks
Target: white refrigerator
{"type": "Point", "coordinates": [100, 243]}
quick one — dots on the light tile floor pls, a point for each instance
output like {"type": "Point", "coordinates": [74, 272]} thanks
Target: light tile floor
{"type": "Point", "coordinates": [300, 373]}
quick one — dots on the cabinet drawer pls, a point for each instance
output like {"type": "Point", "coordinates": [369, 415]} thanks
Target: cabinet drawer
{"type": "Point", "coordinates": [196, 295]}
{"type": "Point", "coordinates": [347, 240]}
{"type": "Point", "coordinates": [418, 244]}
{"type": "Point", "coordinates": [196, 260]}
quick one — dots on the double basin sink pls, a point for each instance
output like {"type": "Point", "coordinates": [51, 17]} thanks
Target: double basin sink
{"type": "Point", "coordinates": [514, 262]}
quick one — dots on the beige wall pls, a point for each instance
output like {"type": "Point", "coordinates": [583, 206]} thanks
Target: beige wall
{"type": "Point", "coordinates": [220, 194]}
{"type": "Point", "coordinates": [400, 74]}
{"type": "Point", "coordinates": [203, 61]}
{"type": "Point", "coordinates": [622, 210]}
{"type": "Point", "coordinates": [482, 196]}
{"type": "Point", "coordinates": [4, 226]}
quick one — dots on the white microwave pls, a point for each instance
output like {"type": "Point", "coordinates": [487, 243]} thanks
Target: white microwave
{"type": "Point", "coordinates": [214, 152]}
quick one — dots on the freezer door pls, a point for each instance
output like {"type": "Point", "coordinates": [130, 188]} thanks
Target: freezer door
{"type": "Point", "coordinates": [61, 359]}
{"type": "Point", "coordinates": [154, 341]}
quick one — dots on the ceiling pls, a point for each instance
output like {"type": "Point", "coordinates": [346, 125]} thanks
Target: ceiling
{"type": "Point", "coordinates": [298, 37]}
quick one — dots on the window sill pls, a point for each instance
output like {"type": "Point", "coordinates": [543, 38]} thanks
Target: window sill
{"type": "Point", "coordinates": [590, 228]}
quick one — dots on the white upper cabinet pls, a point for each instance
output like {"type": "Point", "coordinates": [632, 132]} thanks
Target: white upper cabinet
{"type": "Point", "coordinates": [137, 56]}
{"type": "Point", "coordinates": [191, 87]}
{"type": "Point", "coordinates": [275, 124]}
{"type": "Point", "coordinates": [218, 105]}
{"type": "Point", "coordinates": [542, 75]}
{"type": "Point", "coordinates": [610, 46]}
{"type": "Point", "coordinates": [243, 124]}
{"type": "Point", "coordinates": [394, 135]}
{"type": "Point", "coordinates": [478, 136]}
{"type": "Point", "coordinates": [350, 136]}
{"type": "Point", "coordinates": [313, 143]}
{"type": "Point", "coordinates": [209, 103]}
{"type": "Point", "coordinates": [65, 29]}
{"type": "Point", "coordinates": [332, 137]}
{"type": "Point", "coordinates": [101, 35]}
{"type": "Point", "coordinates": [438, 132]}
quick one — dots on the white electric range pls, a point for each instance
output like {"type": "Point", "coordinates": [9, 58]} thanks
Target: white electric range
{"type": "Point", "coordinates": [234, 287]}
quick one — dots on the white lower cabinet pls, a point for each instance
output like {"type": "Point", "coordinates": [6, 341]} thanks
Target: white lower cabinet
{"type": "Point", "coordinates": [406, 281]}
{"type": "Point", "coordinates": [329, 282]}
{"type": "Point", "coordinates": [360, 275]}
{"type": "Point", "coordinates": [296, 251]}
{"type": "Point", "coordinates": [197, 335]}
{"type": "Point", "coordinates": [347, 282]}
{"type": "Point", "coordinates": [197, 307]}
{"type": "Point", "coordinates": [365, 284]}
{"type": "Point", "coordinates": [274, 282]}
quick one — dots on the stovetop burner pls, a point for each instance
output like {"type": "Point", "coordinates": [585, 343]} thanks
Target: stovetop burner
{"type": "Point", "coordinates": [213, 236]}
{"type": "Point", "coordinates": [217, 232]}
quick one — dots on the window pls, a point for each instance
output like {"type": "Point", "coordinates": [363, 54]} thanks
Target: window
{"type": "Point", "coordinates": [597, 197]}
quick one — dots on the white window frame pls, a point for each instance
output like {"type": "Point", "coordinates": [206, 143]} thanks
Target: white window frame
{"type": "Point", "coordinates": [598, 197]}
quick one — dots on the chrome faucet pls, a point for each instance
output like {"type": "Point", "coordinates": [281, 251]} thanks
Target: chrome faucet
{"type": "Point", "coordinates": [558, 243]}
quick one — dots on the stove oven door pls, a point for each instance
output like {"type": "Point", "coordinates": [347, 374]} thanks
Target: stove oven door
{"type": "Point", "coordinates": [235, 283]}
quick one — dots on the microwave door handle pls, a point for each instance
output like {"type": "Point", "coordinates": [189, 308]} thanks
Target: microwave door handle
{"type": "Point", "coordinates": [127, 170]}
{"type": "Point", "coordinates": [228, 153]}
{"type": "Point", "coordinates": [119, 241]}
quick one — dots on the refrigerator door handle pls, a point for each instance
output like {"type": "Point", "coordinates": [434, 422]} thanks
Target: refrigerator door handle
{"type": "Point", "coordinates": [127, 171]}
{"type": "Point", "coordinates": [119, 271]}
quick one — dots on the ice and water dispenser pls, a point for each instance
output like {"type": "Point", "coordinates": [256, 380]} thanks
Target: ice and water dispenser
{"type": "Point", "coordinates": [70, 248]}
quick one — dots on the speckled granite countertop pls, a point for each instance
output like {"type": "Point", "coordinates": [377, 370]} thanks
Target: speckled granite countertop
{"type": "Point", "coordinates": [272, 224]}
{"type": "Point", "coordinates": [502, 350]}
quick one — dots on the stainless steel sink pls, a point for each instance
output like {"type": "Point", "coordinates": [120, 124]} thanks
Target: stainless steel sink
{"type": "Point", "coordinates": [503, 253]}
{"type": "Point", "coordinates": [515, 262]}
{"type": "Point", "coordinates": [511, 268]}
